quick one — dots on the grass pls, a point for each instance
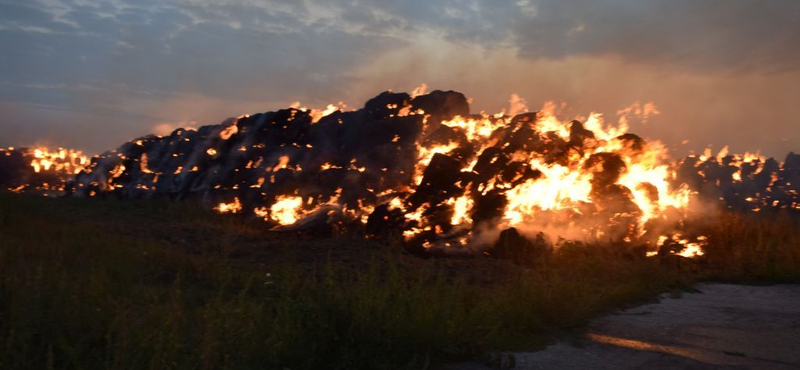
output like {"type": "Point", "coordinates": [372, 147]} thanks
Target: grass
{"type": "Point", "coordinates": [88, 284]}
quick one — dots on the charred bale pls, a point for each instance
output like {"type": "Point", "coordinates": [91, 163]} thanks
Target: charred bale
{"type": "Point", "coordinates": [438, 181]}
{"type": "Point", "coordinates": [489, 207]}
{"type": "Point", "coordinates": [384, 221]}
{"type": "Point", "coordinates": [385, 104]}
{"type": "Point", "coordinates": [490, 162]}
{"type": "Point", "coordinates": [632, 142]}
{"type": "Point", "coordinates": [442, 105]}
{"type": "Point", "coordinates": [513, 246]}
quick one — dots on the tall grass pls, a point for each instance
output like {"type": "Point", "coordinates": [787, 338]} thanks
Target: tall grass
{"type": "Point", "coordinates": [755, 248]}
{"type": "Point", "coordinates": [150, 285]}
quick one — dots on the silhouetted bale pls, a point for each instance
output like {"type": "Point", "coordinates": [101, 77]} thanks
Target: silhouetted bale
{"type": "Point", "coordinates": [554, 148]}
{"type": "Point", "coordinates": [792, 163]}
{"type": "Point", "coordinates": [463, 153]}
{"type": "Point", "coordinates": [383, 221]}
{"type": "Point", "coordinates": [650, 190]}
{"type": "Point", "coordinates": [316, 224]}
{"type": "Point", "coordinates": [442, 105]}
{"type": "Point", "coordinates": [606, 168]}
{"type": "Point", "coordinates": [749, 169]}
{"type": "Point", "coordinates": [614, 199]}
{"type": "Point", "coordinates": [791, 173]}
{"type": "Point", "coordinates": [764, 178]}
{"type": "Point", "coordinates": [578, 135]}
{"type": "Point", "coordinates": [443, 135]}
{"type": "Point", "coordinates": [489, 207]}
{"type": "Point", "coordinates": [524, 120]}
{"type": "Point", "coordinates": [720, 174]}
{"type": "Point", "coordinates": [638, 251]}
{"type": "Point", "coordinates": [667, 256]}
{"type": "Point", "coordinates": [440, 216]}
{"type": "Point", "coordinates": [669, 247]}
{"type": "Point", "coordinates": [516, 173]}
{"type": "Point", "coordinates": [14, 168]}
{"type": "Point", "coordinates": [523, 138]}
{"type": "Point", "coordinates": [438, 181]}
{"type": "Point", "coordinates": [513, 246]}
{"type": "Point", "coordinates": [490, 163]}
{"type": "Point", "coordinates": [385, 104]}
{"type": "Point", "coordinates": [361, 138]}
{"type": "Point", "coordinates": [632, 142]}
{"type": "Point", "coordinates": [687, 173]}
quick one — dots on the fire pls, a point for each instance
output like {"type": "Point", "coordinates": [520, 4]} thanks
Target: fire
{"type": "Point", "coordinates": [143, 164]}
{"type": "Point", "coordinates": [461, 207]}
{"type": "Point", "coordinates": [476, 129]}
{"type": "Point", "coordinates": [565, 189]}
{"type": "Point", "coordinates": [419, 90]}
{"type": "Point", "coordinates": [444, 177]}
{"type": "Point", "coordinates": [233, 207]}
{"type": "Point", "coordinates": [283, 162]}
{"type": "Point", "coordinates": [286, 210]}
{"type": "Point", "coordinates": [680, 246]}
{"type": "Point", "coordinates": [229, 131]}
{"type": "Point", "coordinates": [426, 154]}
{"type": "Point", "coordinates": [61, 160]}
{"type": "Point", "coordinates": [561, 194]}
{"type": "Point", "coordinates": [317, 115]}
{"type": "Point", "coordinates": [560, 188]}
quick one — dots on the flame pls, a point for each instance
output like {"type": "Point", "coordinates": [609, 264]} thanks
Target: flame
{"type": "Point", "coordinates": [426, 154]}
{"type": "Point", "coordinates": [582, 180]}
{"type": "Point", "coordinates": [233, 207]}
{"type": "Point", "coordinates": [419, 90]}
{"type": "Point", "coordinates": [517, 105]}
{"type": "Point", "coordinates": [476, 129]}
{"type": "Point", "coordinates": [143, 164]}
{"type": "Point", "coordinates": [317, 115]}
{"type": "Point", "coordinates": [61, 160]}
{"type": "Point", "coordinates": [461, 207]}
{"type": "Point", "coordinates": [286, 210]}
{"type": "Point", "coordinates": [283, 162]}
{"type": "Point", "coordinates": [229, 131]}
{"type": "Point", "coordinates": [689, 249]}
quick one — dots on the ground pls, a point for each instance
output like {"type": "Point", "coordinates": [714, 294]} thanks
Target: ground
{"type": "Point", "coordinates": [720, 326]}
{"type": "Point", "coordinates": [110, 284]}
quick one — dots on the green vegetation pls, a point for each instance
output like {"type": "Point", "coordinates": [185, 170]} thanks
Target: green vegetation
{"type": "Point", "coordinates": [87, 284]}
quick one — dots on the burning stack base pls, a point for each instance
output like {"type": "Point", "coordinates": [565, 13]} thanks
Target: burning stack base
{"type": "Point", "coordinates": [424, 169]}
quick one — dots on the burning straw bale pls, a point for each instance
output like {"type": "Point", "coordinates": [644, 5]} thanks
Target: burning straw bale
{"type": "Point", "coordinates": [426, 168]}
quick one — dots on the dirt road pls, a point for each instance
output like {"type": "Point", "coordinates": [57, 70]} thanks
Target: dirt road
{"type": "Point", "coordinates": [722, 327]}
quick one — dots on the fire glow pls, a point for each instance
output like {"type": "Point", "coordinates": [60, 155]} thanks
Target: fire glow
{"type": "Point", "coordinates": [422, 166]}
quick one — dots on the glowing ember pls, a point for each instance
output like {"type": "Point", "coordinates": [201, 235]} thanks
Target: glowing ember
{"type": "Point", "coordinates": [228, 132]}
{"type": "Point", "coordinates": [233, 207]}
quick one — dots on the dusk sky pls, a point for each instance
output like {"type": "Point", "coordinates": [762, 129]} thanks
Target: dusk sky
{"type": "Point", "coordinates": [93, 74]}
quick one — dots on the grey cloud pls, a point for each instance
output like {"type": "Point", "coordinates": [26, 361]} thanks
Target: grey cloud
{"type": "Point", "coordinates": [131, 58]}
{"type": "Point", "coordinates": [704, 35]}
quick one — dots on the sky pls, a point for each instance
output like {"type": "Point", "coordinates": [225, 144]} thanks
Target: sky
{"type": "Point", "coordinates": [93, 74]}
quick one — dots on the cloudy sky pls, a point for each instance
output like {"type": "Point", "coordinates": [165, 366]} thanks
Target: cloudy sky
{"type": "Point", "coordinates": [92, 74]}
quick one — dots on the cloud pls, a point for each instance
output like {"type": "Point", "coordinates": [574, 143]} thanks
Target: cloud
{"type": "Point", "coordinates": [705, 35]}
{"type": "Point", "coordinates": [117, 68]}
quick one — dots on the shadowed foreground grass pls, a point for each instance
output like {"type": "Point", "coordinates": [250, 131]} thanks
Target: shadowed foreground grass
{"type": "Point", "coordinates": [152, 285]}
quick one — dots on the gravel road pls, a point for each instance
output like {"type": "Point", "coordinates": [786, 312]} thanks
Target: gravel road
{"type": "Point", "coordinates": [721, 327]}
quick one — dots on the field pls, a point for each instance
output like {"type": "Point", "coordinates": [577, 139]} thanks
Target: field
{"type": "Point", "coordinates": [103, 284]}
